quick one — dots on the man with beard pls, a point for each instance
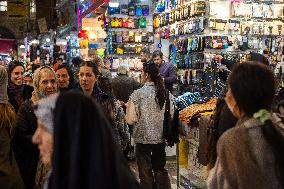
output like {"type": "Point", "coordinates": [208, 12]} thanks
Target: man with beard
{"type": "Point", "coordinates": [145, 55]}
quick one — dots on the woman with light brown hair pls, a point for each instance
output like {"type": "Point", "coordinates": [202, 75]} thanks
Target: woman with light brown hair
{"type": "Point", "coordinates": [26, 153]}
{"type": "Point", "coordinates": [10, 177]}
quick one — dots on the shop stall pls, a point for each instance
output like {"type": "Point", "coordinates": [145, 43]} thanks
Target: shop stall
{"type": "Point", "coordinates": [192, 32]}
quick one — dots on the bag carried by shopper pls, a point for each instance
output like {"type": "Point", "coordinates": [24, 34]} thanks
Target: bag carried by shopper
{"type": "Point", "coordinates": [170, 124]}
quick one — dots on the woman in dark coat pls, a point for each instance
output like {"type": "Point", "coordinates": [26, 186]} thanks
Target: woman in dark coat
{"type": "Point", "coordinates": [85, 153]}
{"type": "Point", "coordinates": [26, 153]}
{"type": "Point", "coordinates": [88, 79]}
{"type": "Point", "coordinates": [18, 92]}
{"type": "Point", "coordinates": [10, 177]}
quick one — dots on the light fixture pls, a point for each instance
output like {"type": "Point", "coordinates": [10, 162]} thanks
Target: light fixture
{"type": "Point", "coordinates": [47, 40]}
{"type": "Point", "coordinates": [113, 4]}
{"type": "Point", "coordinates": [22, 46]}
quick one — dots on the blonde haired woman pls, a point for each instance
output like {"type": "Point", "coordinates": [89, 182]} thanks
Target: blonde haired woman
{"type": "Point", "coordinates": [27, 154]}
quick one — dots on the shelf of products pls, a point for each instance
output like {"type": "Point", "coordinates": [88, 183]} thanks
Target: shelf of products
{"type": "Point", "coordinates": [194, 32]}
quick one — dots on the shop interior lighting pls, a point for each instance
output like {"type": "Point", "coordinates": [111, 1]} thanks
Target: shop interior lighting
{"type": "Point", "coordinates": [47, 40]}
{"type": "Point", "coordinates": [34, 41]}
{"type": "Point", "coordinates": [22, 46]}
{"type": "Point", "coordinates": [113, 4]}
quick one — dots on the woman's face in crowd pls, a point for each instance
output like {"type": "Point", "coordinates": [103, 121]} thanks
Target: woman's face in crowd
{"type": "Point", "coordinates": [44, 140]}
{"type": "Point", "coordinates": [28, 80]}
{"type": "Point", "coordinates": [63, 78]}
{"type": "Point", "coordinates": [17, 75]}
{"type": "Point", "coordinates": [144, 77]}
{"type": "Point", "coordinates": [232, 104]}
{"type": "Point", "coordinates": [47, 83]}
{"type": "Point", "coordinates": [87, 78]}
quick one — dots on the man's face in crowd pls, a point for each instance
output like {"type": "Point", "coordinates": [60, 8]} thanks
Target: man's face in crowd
{"type": "Point", "coordinates": [158, 60]}
{"type": "Point", "coordinates": [144, 57]}
{"type": "Point", "coordinates": [63, 78]}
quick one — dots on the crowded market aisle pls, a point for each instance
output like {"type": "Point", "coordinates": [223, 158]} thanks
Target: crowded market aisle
{"type": "Point", "coordinates": [142, 94]}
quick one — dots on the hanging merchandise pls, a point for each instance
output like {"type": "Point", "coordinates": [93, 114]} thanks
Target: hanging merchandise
{"type": "Point", "coordinates": [131, 10]}
{"type": "Point", "coordinates": [124, 9]}
{"type": "Point", "coordinates": [145, 10]}
{"type": "Point", "coordinates": [138, 10]}
{"type": "Point", "coordinates": [113, 10]}
{"type": "Point", "coordinates": [160, 6]}
{"type": "Point", "coordinates": [142, 22]}
{"type": "Point", "coordinates": [83, 34]}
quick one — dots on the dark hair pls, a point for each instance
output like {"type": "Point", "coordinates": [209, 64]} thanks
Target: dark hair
{"type": "Point", "coordinates": [146, 51]}
{"type": "Point", "coordinates": [35, 67]}
{"type": "Point", "coordinates": [97, 60]}
{"type": "Point", "coordinates": [157, 53]}
{"type": "Point", "coordinates": [153, 71]}
{"type": "Point", "coordinates": [61, 59]}
{"type": "Point", "coordinates": [79, 149]}
{"type": "Point", "coordinates": [71, 77]}
{"type": "Point", "coordinates": [76, 61]}
{"type": "Point", "coordinates": [12, 65]}
{"type": "Point", "coordinates": [253, 87]}
{"type": "Point", "coordinates": [93, 66]}
{"type": "Point", "coordinates": [256, 57]}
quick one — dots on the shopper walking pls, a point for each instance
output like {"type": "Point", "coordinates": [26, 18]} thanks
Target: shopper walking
{"type": "Point", "coordinates": [10, 177]}
{"type": "Point", "coordinates": [99, 163]}
{"type": "Point", "coordinates": [43, 137]}
{"type": "Point", "coordinates": [27, 154]}
{"type": "Point", "coordinates": [123, 85]}
{"type": "Point", "coordinates": [145, 55]}
{"type": "Point", "coordinates": [65, 78]}
{"type": "Point", "coordinates": [167, 70]}
{"type": "Point", "coordinates": [223, 119]}
{"type": "Point", "coordinates": [88, 77]}
{"type": "Point", "coordinates": [17, 91]}
{"type": "Point", "coordinates": [145, 111]}
{"type": "Point", "coordinates": [250, 155]}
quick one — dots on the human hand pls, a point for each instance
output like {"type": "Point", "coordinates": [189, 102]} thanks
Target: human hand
{"type": "Point", "coordinates": [218, 58]}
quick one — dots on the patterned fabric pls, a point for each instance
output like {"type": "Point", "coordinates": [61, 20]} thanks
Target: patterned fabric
{"type": "Point", "coordinates": [42, 175]}
{"type": "Point", "coordinates": [149, 127]}
{"type": "Point", "coordinates": [120, 126]}
{"type": "Point", "coordinates": [187, 99]}
{"type": "Point", "coordinates": [114, 112]}
{"type": "Point", "coordinates": [186, 114]}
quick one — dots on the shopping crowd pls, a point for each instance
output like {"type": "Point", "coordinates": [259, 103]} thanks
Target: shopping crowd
{"type": "Point", "coordinates": [70, 126]}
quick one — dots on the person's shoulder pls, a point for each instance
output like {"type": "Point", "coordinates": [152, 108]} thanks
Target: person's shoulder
{"type": "Point", "coordinates": [232, 137]}
{"type": "Point", "coordinates": [136, 93]}
{"type": "Point", "coordinates": [28, 87]}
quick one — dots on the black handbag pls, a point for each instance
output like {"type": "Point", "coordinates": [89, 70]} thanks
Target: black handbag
{"type": "Point", "coordinates": [170, 124]}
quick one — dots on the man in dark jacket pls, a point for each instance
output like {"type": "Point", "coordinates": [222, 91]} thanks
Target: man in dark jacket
{"type": "Point", "coordinates": [167, 70]}
{"type": "Point", "coordinates": [123, 85]}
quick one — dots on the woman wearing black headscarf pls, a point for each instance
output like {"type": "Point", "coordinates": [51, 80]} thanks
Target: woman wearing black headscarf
{"type": "Point", "coordinates": [17, 91]}
{"type": "Point", "coordinates": [85, 154]}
